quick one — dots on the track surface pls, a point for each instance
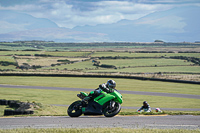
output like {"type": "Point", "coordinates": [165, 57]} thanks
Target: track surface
{"type": "Point", "coordinates": [162, 122]}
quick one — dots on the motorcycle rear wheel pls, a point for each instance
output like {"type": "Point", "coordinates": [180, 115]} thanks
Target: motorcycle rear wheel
{"type": "Point", "coordinates": [74, 109]}
{"type": "Point", "coordinates": [110, 112]}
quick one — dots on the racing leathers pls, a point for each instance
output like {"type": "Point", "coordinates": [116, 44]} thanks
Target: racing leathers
{"type": "Point", "coordinates": [146, 108]}
{"type": "Point", "coordinates": [97, 92]}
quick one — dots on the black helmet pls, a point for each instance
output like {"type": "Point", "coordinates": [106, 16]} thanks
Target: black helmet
{"type": "Point", "coordinates": [145, 103]}
{"type": "Point", "coordinates": [111, 84]}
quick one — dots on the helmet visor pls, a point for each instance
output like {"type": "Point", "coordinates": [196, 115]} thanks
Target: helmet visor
{"type": "Point", "coordinates": [111, 86]}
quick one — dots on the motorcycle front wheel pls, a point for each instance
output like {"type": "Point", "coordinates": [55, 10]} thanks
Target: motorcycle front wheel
{"type": "Point", "coordinates": [109, 111]}
{"type": "Point", "coordinates": [74, 109]}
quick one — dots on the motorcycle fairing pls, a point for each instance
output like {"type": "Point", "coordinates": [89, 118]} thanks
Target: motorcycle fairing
{"type": "Point", "coordinates": [93, 108]}
{"type": "Point", "coordinates": [103, 98]}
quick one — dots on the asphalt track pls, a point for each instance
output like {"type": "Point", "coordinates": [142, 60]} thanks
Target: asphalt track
{"type": "Point", "coordinates": [121, 91]}
{"type": "Point", "coordinates": [160, 122]}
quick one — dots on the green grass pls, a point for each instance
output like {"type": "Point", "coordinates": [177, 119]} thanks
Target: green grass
{"type": "Point", "coordinates": [8, 67]}
{"type": "Point", "coordinates": [127, 54]}
{"type": "Point", "coordinates": [159, 101]}
{"type": "Point", "coordinates": [2, 108]}
{"type": "Point", "coordinates": [144, 62]}
{"type": "Point", "coordinates": [20, 52]}
{"type": "Point", "coordinates": [153, 112]}
{"type": "Point", "coordinates": [140, 66]}
{"type": "Point", "coordinates": [97, 130]}
{"type": "Point", "coordinates": [71, 54]}
{"type": "Point", "coordinates": [75, 66]}
{"type": "Point", "coordinates": [189, 69]}
{"type": "Point", "coordinates": [92, 83]}
{"type": "Point", "coordinates": [99, 54]}
{"type": "Point", "coordinates": [7, 58]}
{"type": "Point", "coordinates": [45, 110]}
{"type": "Point", "coordinates": [39, 96]}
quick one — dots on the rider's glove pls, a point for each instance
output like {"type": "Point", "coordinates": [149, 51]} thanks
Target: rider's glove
{"type": "Point", "coordinates": [102, 86]}
{"type": "Point", "coordinates": [111, 90]}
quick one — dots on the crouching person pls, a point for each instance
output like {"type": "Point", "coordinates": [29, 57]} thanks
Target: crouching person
{"type": "Point", "coordinates": [146, 107]}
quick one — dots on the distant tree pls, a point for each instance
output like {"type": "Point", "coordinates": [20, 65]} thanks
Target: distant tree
{"type": "Point", "coordinates": [158, 41]}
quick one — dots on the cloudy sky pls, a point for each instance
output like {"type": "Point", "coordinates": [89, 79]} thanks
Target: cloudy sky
{"type": "Point", "coordinates": [71, 13]}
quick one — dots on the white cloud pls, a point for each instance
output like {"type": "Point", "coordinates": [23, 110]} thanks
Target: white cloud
{"type": "Point", "coordinates": [67, 13]}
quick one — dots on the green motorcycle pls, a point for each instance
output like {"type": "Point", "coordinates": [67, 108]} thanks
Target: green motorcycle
{"type": "Point", "coordinates": [107, 104]}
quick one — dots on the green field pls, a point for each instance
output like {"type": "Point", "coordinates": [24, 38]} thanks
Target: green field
{"type": "Point", "coordinates": [144, 62]}
{"type": "Point", "coordinates": [132, 54]}
{"type": "Point", "coordinates": [83, 66]}
{"type": "Point", "coordinates": [7, 58]}
{"type": "Point", "coordinates": [71, 54]}
{"type": "Point", "coordinates": [20, 52]}
{"type": "Point", "coordinates": [4, 66]}
{"type": "Point", "coordinates": [146, 70]}
{"type": "Point", "coordinates": [82, 61]}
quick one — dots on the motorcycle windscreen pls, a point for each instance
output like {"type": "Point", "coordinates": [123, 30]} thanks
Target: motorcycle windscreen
{"type": "Point", "coordinates": [103, 98]}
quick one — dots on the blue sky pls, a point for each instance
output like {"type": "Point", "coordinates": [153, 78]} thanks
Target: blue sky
{"type": "Point", "coordinates": [71, 13]}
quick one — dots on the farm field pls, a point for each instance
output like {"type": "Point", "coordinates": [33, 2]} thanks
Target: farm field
{"type": "Point", "coordinates": [97, 54]}
{"type": "Point", "coordinates": [183, 65]}
{"type": "Point", "coordinates": [43, 61]}
{"type": "Point", "coordinates": [179, 61]}
{"type": "Point", "coordinates": [144, 62]}
{"type": "Point", "coordinates": [153, 69]}
{"type": "Point", "coordinates": [136, 54]}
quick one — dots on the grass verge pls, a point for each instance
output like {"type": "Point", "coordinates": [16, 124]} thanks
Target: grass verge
{"type": "Point", "coordinates": [133, 112]}
{"type": "Point", "coordinates": [97, 130]}
{"type": "Point", "coordinates": [49, 110]}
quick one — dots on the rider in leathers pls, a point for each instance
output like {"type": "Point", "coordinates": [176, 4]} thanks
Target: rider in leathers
{"type": "Point", "coordinates": [106, 87]}
{"type": "Point", "coordinates": [146, 107]}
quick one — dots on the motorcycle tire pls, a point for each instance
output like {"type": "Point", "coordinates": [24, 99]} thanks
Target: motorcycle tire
{"type": "Point", "coordinates": [111, 112]}
{"type": "Point", "coordinates": [74, 110]}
